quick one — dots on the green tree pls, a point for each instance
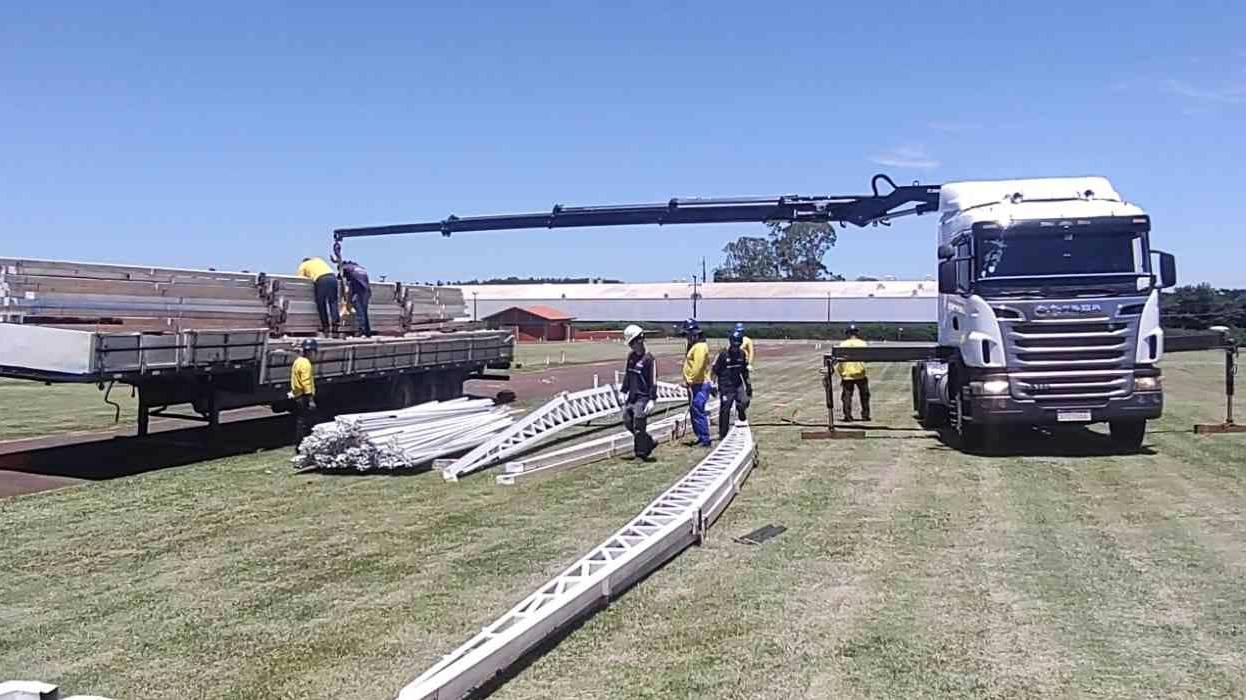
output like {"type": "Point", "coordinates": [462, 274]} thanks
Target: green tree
{"type": "Point", "coordinates": [749, 259]}
{"type": "Point", "coordinates": [800, 247]}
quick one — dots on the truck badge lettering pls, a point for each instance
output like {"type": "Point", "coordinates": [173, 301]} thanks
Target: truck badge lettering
{"type": "Point", "coordinates": [1049, 310]}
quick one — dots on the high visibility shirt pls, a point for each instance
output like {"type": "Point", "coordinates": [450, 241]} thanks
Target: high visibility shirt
{"type": "Point", "coordinates": [314, 268]}
{"type": "Point", "coordinates": [697, 363]}
{"type": "Point", "coordinates": [747, 347]}
{"type": "Point", "coordinates": [302, 378]}
{"type": "Point", "coordinates": [851, 370]}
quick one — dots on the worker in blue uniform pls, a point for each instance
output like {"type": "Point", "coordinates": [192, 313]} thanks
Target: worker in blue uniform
{"type": "Point", "coordinates": [735, 388]}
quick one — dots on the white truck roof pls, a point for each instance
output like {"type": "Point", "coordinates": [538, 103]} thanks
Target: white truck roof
{"type": "Point", "coordinates": [961, 204]}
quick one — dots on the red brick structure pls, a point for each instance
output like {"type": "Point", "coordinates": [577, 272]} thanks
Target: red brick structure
{"type": "Point", "coordinates": [533, 323]}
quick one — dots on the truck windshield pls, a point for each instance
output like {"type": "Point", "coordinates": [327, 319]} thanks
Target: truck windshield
{"type": "Point", "coordinates": [1027, 253]}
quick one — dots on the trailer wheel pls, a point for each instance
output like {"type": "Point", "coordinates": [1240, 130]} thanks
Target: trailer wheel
{"type": "Point", "coordinates": [1128, 434]}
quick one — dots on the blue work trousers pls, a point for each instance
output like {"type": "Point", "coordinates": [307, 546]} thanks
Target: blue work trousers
{"type": "Point", "coordinates": [699, 395]}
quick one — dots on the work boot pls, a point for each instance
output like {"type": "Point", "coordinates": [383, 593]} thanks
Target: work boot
{"type": "Point", "coordinates": [848, 419]}
{"type": "Point", "coordinates": [866, 418]}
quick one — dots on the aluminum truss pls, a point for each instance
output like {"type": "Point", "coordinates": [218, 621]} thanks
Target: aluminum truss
{"type": "Point", "coordinates": [560, 413]}
{"type": "Point", "coordinates": [667, 526]}
{"type": "Point", "coordinates": [546, 463]}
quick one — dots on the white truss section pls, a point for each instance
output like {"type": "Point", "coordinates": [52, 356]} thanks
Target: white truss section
{"type": "Point", "coordinates": [560, 413]}
{"type": "Point", "coordinates": [667, 526]}
{"type": "Point", "coordinates": [553, 461]}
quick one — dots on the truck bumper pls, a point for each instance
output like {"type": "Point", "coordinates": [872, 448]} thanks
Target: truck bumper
{"type": "Point", "coordinates": [1005, 410]}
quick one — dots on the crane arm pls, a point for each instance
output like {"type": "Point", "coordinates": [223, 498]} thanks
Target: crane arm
{"type": "Point", "coordinates": [854, 209]}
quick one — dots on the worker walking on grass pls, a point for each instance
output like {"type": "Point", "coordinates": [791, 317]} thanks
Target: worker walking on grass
{"type": "Point", "coordinates": [852, 375]}
{"type": "Point", "coordinates": [734, 385]}
{"type": "Point", "coordinates": [325, 290]}
{"type": "Point", "coordinates": [360, 295]}
{"type": "Point", "coordinates": [640, 383]}
{"type": "Point", "coordinates": [697, 379]}
{"type": "Point", "coordinates": [303, 391]}
{"type": "Point", "coordinates": [746, 344]}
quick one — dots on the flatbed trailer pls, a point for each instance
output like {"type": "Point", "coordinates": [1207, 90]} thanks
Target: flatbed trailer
{"type": "Point", "coordinates": [216, 370]}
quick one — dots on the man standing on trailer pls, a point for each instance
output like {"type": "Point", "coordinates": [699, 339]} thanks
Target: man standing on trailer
{"type": "Point", "coordinates": [360, 295]}
{"type": "Point", "coordinates": [746, 345]}
{"type": "Point", "coordinates": [640, 392]}
{"type": "Point", "coordinates": [734, 386]}
{"type": "Point", "coordinates": [325, 290]}
{"type": "Point", "coordinates": [303, 391]}
{"type": "Point", "coordinates": [697, 379]}
{"type": "Point", "coordinates": [852, 375]}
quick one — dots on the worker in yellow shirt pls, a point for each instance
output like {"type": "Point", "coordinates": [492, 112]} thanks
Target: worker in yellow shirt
{"type": "Point", "coordinates": [697, 379]}
{"type": "Point", "coordinates": [852, 375]}
{"type": "Point", "coordinates": [325, 291]}
{"type": "Point", "coordinates": [303, 391]}
{"type": "Point", "coordinates": [746, 345]}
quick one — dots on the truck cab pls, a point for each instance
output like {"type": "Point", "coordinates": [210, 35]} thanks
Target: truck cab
{"type": "Point", "coordinates": [1048, 310]}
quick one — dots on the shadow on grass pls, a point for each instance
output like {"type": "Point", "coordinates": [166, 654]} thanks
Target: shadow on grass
{"type": "Point", "coordinates": [1051, 442]}
{"type": "Point", "coordinates": [125, 456]}
{"type": "Point", "coordinates": [550, 642]}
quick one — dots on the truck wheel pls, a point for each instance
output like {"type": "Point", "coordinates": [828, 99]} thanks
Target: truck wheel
{"type": "Point", "coordinates": [1128, 434]}
{"type": "Point", "coordinates": [935, 417]}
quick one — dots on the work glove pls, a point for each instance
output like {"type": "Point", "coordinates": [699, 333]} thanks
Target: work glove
{"type": "Point", "coordinates": [649, 407]}
{"type": "Point", "coordinates": [311, 403]}
{"type": "Point", "coordinates": [748, 391]}
{"type": "Point", "coordinates": [290, 395]}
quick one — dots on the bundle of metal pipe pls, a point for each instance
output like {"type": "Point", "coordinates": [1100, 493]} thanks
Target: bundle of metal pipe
{"type": "Point", "coordinates": [400, 439]}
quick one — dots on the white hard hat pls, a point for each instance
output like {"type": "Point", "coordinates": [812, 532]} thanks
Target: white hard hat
{"type": "Point", "coordinates": [632, 332]}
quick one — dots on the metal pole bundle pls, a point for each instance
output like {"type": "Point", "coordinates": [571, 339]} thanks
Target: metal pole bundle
{"type": "Point", "coordinates": [403, 438]}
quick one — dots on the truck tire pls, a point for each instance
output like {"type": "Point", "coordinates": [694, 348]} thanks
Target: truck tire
{"type": "Point", "coordinates": [1128, 434]}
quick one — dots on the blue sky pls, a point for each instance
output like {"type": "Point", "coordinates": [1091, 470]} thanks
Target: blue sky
{"type": "Point", "coordinates": [238, 135]}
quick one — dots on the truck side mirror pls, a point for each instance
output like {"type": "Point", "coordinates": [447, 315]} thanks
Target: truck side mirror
{"type": "Point", "coordinates": [946, 252]}
{"type": "Point", "coordinates": [1167, 270]}
{"type": "Point", "coordinates": [947, 277]}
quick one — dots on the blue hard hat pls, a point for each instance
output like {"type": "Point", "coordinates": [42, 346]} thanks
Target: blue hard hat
{"type": "Point", "coordinates": [739, 328]}
{"type": "Point", "coordinates": [691, 326]}
{"type": "Point", "coordinates": [736, 337]}
{"type": "Point", "coordinates": [310, 345]}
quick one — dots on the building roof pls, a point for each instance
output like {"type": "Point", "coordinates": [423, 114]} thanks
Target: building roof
{"type": "Point", "coordinates": [548, 313]}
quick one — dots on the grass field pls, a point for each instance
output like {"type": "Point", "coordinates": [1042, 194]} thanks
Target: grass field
{"type": "Point", "coordinates": [908, 570]}
{"type": "Point", "coordinates": [532, 355]}
{"type": "Point", "coordinates": [32, 408]}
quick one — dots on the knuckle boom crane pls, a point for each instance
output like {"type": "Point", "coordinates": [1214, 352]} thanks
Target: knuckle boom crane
{"type": "Point", "coordinates": [1048, 306]}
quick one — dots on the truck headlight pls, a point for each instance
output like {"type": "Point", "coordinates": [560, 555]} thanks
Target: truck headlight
{"type": "Point", "coordinates": [1148, 383]}
{"type": "Point", "coordinates": [991, 386]}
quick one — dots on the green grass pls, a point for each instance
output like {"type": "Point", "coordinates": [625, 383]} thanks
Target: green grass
{"type": "Point", "coordinates": [908, 570]}
{"type": "Point", "coordinates": [31, 408]}
{"type": "Point", "coordinates": [532, 356]}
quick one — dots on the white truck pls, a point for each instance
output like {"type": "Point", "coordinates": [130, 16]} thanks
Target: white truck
{"type": "Point", "coordinates": [1048, 311]}
{"type": "Point", "coordinates": [1048, 294]}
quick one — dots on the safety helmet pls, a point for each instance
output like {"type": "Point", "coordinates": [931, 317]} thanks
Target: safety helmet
{"type": "Point", "coordinates": [310, 345]}
{"type": "Point", "coordinates": [736, 338]}
{"type": "Point", "coordinates": [851, 330]}
{"type": "Point", "coordinates": [632, 332]}
{"type": "Point", "coordinates": [739, 328]}
{"type": "Point", "coordinates": [691, 327]}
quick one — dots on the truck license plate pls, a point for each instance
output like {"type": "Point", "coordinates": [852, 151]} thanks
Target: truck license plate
{"type": "Point", "coordinates": [1073, 416]}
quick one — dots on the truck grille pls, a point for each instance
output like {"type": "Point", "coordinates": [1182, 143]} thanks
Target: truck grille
{"type": "Point", "coordinates": [1080, 362]}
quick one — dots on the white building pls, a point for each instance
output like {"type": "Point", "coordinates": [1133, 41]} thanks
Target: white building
{"type": "Point", "coordinates": [756, 302]}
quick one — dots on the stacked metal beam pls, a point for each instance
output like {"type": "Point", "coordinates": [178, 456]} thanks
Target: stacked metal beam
{"type": "Point", "coordinates": [531, 468]}
{"type": "Point", "coordinates": [133, 298]}
{"type": "Point", "coordinates": [409, 437]}
{"type": "Point", "coordinates": [561, 412]}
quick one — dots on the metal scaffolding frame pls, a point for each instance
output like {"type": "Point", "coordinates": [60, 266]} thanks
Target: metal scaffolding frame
{"type": "Point", "coordinates": [553, 461]}
{"type": "Point", "coordinates": [667, 526]}
{"type": "Point", "coordinates": [560, 413]}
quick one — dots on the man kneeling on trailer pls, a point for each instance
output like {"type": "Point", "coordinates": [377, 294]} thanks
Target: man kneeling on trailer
{"type": "Point", "coordinates": [640, 391]}
{"type": "Point", "coordinates": [734, 385]}
{"type": "Point", "coordinates": [303, 391]}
